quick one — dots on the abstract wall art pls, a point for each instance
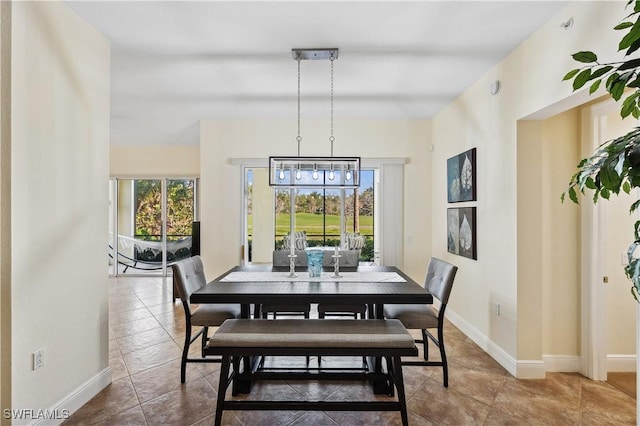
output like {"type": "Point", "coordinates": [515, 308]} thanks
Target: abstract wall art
{"type": "Point", "coordinates": [461, 177]}
{"type": "Point", "coordinates": [461, 232]}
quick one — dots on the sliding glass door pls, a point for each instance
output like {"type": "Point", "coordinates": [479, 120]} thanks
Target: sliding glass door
{"type": "Point", "coordinates": [151, 224]}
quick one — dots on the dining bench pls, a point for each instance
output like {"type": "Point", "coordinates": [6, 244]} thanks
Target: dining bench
{"type": "Point", "coordinates": [383, 339]}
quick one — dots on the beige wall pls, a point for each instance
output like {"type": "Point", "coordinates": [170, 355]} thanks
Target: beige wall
{"type": "Point", "coordinates": [221, 181]}
{"type": "Point", "coordinates": [154, 161]}
{"type": "Point", "coordinates": [560, 236]}
{"type": "Point", "coordinates": [59, 172]}
{"type": "Point", "coordinates": [618, 228]}
{"type": "Point", "coordinates": [5, 206]}
{"type": "Point", "coordinates": [548, 237]}
{"type": "Point", "coordinates": [530, 85]}
{"type": "Point", "coordinates": [530, 242]}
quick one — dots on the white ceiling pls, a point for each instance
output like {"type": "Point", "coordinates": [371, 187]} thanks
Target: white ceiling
{"type": "Point", "coordinates": [174, 63]}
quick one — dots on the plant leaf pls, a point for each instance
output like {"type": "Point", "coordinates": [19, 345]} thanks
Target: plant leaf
{"type": "Point", "coordinates": [634, 46]}
{"type": "Point", "coordinates": [635, 83]}
{"type": "Point", "coordinates": [570, 74]}
{"type": "Point", "coordinates": [581, 79]}
{"type": "Point", "coordinates": [585, 57]}
{"type": "Point", "coordinates": [617, 90]}
{"type": "Point", "coordinates": [602, 71]}
{"type": "Point", "coordinates": [623, 25]}
{"type": "Point", "coordinates": [612, 79]}
{"type": "Point", "coordinates": [573, 195]}
{"type": "Point", "coordinates": [594, 87]}
{"type": "Point", "coordinates": [630, 38]}
{"type": "Point", "coordinates": [633, 63]}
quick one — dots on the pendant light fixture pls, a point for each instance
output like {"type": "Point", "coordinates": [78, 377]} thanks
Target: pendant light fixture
{"type": "Point", "coordinates": [315, 172]}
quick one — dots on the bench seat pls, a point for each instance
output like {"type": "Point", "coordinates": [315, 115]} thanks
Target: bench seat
{"type": "Point", "coordinates": [387, 339]}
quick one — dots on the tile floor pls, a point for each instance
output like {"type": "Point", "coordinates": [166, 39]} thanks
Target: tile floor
{"type": "Point", "coordinates": [146, 337]}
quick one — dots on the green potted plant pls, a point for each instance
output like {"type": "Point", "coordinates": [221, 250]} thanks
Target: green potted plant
{"type": "Point", "coordinates": [615, 165]}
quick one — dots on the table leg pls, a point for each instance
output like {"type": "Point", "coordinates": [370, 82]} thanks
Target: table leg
{"type": "Point", "coordinates": [242, 380]}
{"type": "Point", "coordinates": [380, 387]}
{"type": "Point", "coordinates": [245, 310]}
{"type": "Point", "coordinates": [379, 311]}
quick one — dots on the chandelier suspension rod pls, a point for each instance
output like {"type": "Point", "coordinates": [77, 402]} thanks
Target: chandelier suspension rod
{"type": "Point", "coordinates": [331, 138]}
{"type": "Point", "coordinates": [299, 138]}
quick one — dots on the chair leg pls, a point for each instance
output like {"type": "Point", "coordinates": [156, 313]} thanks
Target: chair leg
{"type": "Point", "coordinates": [425, 344]}
{"type": "Point", "coordinates": [185, 353]}
{"type": "Point", "coordinates": [205, 338]}
{"type": "Point", "coordinates": [443, 356]}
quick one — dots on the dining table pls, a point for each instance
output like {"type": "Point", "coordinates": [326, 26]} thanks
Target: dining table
{"type": "Point", "coordinates": [253, 285]}
{"type": "Point", "coordinates": [265, 284]}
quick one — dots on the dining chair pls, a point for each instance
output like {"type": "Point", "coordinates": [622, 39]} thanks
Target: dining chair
{"type": "Point", "coordinates": [285, 310]}
{"type": "Point", "coordinates": [438, 282]}
{"type": "Point", "coordinates": [350, 258]}
{"type": "Point", "coordinates": [188, 276]}
{"type": "Point", "coordinates": [341, 310]}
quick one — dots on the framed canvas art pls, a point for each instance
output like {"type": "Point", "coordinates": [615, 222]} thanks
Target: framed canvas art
{"type": "Point", "coordinates": [461, 232]}
{"type": "Point", "coordinates": [461, 177]}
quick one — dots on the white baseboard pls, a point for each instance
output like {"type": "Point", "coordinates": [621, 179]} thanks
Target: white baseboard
{"type": "Point", "coordinates": [522, 369]}
{"type": "Point", "coordinates": [535, 369]}
{"type": "Point", "coordinates": [530, 369]}
{"type": "Point", "coordinates": [72, 402]}
{"type": "Point", "coordinates": [561, 363]}
{"type": "Point", "coordinates": [495, 351]}
{"type": "Point", "coordinates": [571, 363]}
{"type": "Point", "coordinates": [621, 363]}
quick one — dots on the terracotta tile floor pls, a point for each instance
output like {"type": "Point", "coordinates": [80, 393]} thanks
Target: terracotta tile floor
{"type": "Point", "coordinates": [146, 337]}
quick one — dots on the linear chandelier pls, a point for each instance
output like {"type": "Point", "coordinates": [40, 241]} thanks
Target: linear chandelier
{"type": "Point", "coordinates": [314, 172]}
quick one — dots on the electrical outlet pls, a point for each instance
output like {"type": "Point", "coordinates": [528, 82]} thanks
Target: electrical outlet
{"type": "Point", "coordinates": [498, 309]}
{"type": "Point", "coordinates": [38, 359]}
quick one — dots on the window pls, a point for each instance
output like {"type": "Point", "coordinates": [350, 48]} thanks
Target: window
{"type": "Point", "coordinates": [323, 213]}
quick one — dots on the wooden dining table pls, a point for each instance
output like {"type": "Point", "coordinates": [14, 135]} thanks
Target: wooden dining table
{"type": "Point", "coordinates": [253, 285]}
{"type": "Point", "coordinates": [265, 284]}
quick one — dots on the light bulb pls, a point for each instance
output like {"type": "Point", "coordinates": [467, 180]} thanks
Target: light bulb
{"type": "Point", "coordinates": [298, 173]}
{"type": "Point", "coordinates": [314, 175]}
{"type": "Point", "coordinates": [281, 175]}
{"type": "Point", "coordinates": [332, 175]}
{"type": "Point", "coordinates": [347, 174]}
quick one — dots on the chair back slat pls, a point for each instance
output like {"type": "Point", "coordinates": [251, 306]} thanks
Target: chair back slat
{"type": "Point", "coordinates": [188, 275]}
{"type": "Point", "coordinates": [439, 280]}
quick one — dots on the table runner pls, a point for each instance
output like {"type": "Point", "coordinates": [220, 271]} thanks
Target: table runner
{"type": "Point", "coordinates": [368, 277]}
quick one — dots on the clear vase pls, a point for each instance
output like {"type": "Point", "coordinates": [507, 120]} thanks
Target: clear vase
{"type": "Point", "coordinates": [314, 262]}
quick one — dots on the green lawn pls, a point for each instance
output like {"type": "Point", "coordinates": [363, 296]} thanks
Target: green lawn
{"type": "Point", "coordinates": [312, 224]}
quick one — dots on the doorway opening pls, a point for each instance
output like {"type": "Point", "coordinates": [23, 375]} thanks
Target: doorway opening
{"type": "Point", "coordinates": [151, 224]}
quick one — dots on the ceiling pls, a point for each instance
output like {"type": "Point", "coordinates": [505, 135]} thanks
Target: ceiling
{"type": "Point", "coordinates": [175, 63]}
